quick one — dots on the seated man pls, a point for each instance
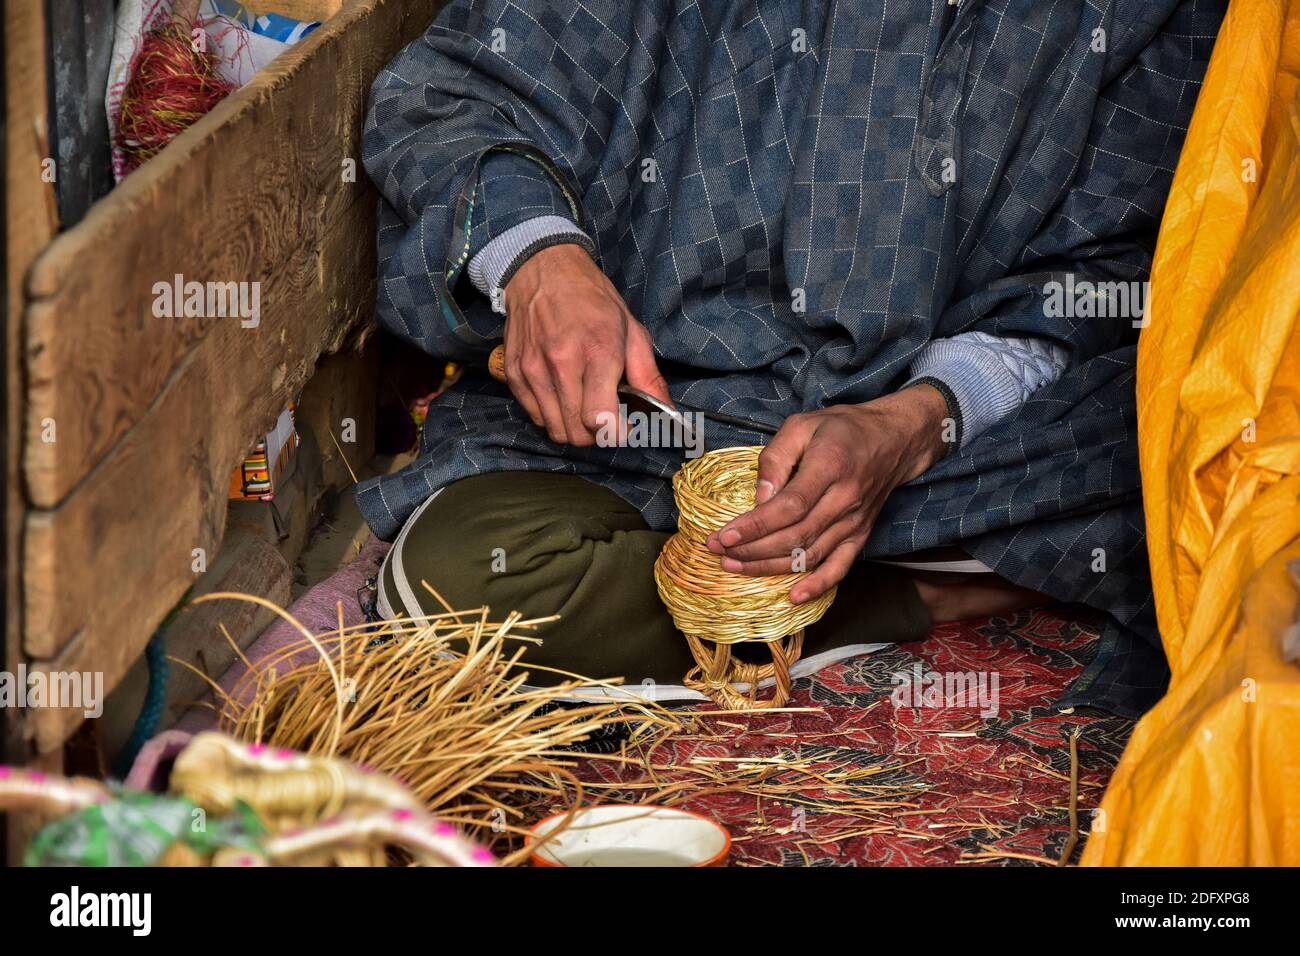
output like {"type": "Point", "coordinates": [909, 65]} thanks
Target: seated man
{"type": "Point", "coordinates": [906, 233]}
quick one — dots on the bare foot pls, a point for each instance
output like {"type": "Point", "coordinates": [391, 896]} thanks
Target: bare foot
{"type": "Point", "coordinates": [959, 597]}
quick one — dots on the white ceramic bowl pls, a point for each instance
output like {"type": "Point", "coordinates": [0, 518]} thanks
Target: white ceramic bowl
{"type": "Point", "coordinates": [630, 835]}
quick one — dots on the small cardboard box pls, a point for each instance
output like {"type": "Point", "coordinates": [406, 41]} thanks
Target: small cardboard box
{"type": "Point", "coordinates": [255, 479]}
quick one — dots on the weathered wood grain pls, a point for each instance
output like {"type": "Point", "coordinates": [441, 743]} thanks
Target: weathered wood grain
{"type": "Point", "coordinates": [81, 44]}
{"type": "Point", "coordinates": [106, 566]}
{"type": "Point", "coordinates": [227, 201]}
{"type": "Point", "coordinates": [30, 221]}
{"type": "Point", "coordinates": [112, 559]}
{"type": "Point", "coordinates": [151, 414]}
{"type": "Point", "coordinates": [298, 9]}
{"type": "Point", "coordinates": [339, 407]}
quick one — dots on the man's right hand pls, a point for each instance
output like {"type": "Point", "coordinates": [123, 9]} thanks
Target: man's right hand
{"type": "Point", "coordinates": [570, 340]}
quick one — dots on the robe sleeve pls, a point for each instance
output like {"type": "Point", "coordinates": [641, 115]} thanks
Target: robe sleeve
{"type": "Point", "coordinates": [986, 379]}
{"type": "Point", "coordinates": [487, 97]}
{"type": "Point", "coordinates": [518, 210]}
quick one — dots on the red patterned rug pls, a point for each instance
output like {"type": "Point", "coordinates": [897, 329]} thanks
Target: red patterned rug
{"type": "Point", "coordinates": [962, 728]}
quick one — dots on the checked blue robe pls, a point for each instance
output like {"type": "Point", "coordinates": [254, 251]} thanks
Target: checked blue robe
{"type": "Point", "coordinates": [795, 197]}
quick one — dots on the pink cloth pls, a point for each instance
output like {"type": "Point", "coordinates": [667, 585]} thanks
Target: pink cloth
{"type": "Point", "coordinates": [153, 764]}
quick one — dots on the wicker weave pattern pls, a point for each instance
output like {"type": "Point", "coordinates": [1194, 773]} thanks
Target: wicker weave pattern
{"type": "Point", "coordinates": [715, 608]}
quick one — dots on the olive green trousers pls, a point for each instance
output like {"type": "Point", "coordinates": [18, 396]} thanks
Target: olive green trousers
{"type": "Point", "coordinates": [542, 544]}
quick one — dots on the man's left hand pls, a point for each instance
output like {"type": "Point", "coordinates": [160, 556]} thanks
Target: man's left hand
{"type": "Point", "coordinates": [823, 480]}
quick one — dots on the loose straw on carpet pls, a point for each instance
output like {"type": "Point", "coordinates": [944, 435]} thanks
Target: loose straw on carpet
{"type": "Point", "coordinates": [1074, 800]}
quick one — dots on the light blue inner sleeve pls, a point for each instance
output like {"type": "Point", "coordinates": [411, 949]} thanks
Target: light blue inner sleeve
{"type": "Point", "coordinates": [990, 376]}
{"type": "Point", "coordinates": [491, 262]}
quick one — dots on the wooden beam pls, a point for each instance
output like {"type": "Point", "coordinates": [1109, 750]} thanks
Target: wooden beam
{"type": "Point", "coordinates": [109, 562]}
{"type": "Point", "coordinates": [30, 221]}
{"type": "Point", "coordinates": [298, 9]}
{"type": "Point", "coordinates": [339, 407]}
{"type": "Point", "coordinates": [80, 48]}
{"type": "Point", "coordinates": [228, 201]}
{"type": "Point", "coordinates": [106, 566]}
{"type": "Point", "coordinates": [151, 414]}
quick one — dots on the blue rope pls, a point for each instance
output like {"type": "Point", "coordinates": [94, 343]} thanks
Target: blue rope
{"type": "Point", "coordinates": [155, 702]}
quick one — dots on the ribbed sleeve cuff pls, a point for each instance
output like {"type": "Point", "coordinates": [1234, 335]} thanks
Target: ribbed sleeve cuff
{"type": "Point", "coordinates": [985, 389]}
{"type": "Point", "coordinates": [496, 263]}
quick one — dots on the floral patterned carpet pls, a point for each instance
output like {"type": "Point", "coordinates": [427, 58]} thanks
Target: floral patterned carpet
{"type": "Point", "coordinates": [942, 752]}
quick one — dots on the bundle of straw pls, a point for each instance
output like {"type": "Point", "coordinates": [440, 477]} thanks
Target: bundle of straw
{"type": "Point", "coordinates": [440, 703]}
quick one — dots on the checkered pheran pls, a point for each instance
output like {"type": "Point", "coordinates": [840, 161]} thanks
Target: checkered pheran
{"type": "Point", "coordinates": [795, 196]}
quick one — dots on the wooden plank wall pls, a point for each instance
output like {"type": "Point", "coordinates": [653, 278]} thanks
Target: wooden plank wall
{"type": "Point", "coordinates": [148, 415]}
{"type": "Point", "coordinates": [300, 9]}
{"type": "Point", "coordinates": [30, 223]}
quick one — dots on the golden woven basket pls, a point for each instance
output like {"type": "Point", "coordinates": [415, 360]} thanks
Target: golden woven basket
{"type": "Point", "coordinates": [716, 608]}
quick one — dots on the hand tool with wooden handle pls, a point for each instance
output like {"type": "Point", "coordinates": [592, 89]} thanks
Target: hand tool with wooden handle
{"type": "Point", "coordinates": [639, 401]}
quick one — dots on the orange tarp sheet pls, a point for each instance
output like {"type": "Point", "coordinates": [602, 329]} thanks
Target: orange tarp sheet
{"type": "Point", "coordinates": [1212, 773]}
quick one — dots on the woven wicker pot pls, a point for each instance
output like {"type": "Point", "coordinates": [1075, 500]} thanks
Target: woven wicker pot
{"type": "Point", "coordinates": [718, 609]}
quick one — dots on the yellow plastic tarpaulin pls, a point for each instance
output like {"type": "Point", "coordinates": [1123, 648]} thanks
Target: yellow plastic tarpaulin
{"type": "Point", "coordinates": [1212, 774]}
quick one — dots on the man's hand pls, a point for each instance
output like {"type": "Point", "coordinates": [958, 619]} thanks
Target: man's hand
{"type": "Point", "coordinates": [822, 482]}
{"type": "Point", "coordinates": [570, 340]}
